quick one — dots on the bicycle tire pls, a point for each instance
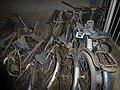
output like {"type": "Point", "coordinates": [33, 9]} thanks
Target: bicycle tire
{"type": "Point", "coordinates": [61, 79]}
{"type": "Point", "coordinates": [92, 72]}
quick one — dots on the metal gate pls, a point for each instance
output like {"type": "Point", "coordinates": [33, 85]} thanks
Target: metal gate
{"type": "Point", "coordinates": [110, 21]}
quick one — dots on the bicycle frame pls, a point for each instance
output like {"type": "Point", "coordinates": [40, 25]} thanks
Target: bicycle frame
{"type": "Point", "coordinates": [76, 71]}
{"type": "Point", "coordinates": [105, 74]}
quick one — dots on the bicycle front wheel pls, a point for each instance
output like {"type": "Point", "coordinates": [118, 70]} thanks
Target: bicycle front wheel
{"type": "Point", "coordinates": [87, 72]}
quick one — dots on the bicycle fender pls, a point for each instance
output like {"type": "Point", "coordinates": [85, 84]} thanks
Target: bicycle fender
{"type": "Point", "coordinates": [94, 58]}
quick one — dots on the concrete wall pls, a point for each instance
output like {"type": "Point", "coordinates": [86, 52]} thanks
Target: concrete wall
{"type": "Point", "coordinates": [35, 9]}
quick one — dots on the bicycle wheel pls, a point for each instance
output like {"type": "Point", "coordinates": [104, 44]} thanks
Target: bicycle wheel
{"type": "Point", "coordinates": [87, 72]}
{"type": "Point", "coordinates": [63, 79]}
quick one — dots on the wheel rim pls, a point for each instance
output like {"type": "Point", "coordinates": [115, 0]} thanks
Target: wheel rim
{"type": "Point", "coordinates": [85, 80]}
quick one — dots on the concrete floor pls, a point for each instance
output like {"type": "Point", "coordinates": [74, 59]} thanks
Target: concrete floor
{"type": "Point", "coordinates": [36, 9]}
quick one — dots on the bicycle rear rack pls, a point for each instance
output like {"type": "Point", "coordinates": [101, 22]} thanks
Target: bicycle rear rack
{"type": "Point", "coordinates": [106, 61]}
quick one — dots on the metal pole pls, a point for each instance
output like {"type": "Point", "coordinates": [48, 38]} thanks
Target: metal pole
{"type": "Point", "coordinates": [114, 18]}
{"type": "Point", "coordinates": [117, 37]}
{"type": "Point", "coordinates": [103, 18]}
{"type": "Point", "coordinates": [116, 28]}
{"type": "Point", "coordinates": [100, 3]}
{"type": "Point", "coordinates": [110, 15]}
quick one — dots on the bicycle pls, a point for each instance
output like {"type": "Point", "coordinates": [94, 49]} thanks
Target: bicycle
{"type": "Point", "coordinates": [93, 60]}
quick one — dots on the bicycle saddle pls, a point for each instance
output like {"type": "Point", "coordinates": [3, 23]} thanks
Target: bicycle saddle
{"type": "Point", "coordinates": [100, 35]}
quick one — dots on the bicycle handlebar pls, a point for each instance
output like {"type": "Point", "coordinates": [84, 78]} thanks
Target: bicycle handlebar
{"type": "Point", "coordinates": [68, 5]}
